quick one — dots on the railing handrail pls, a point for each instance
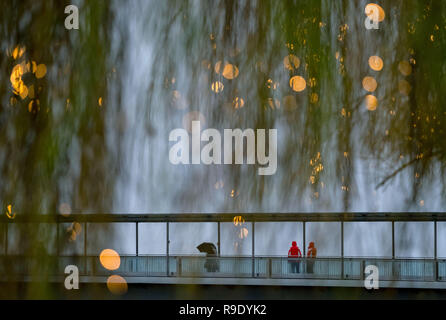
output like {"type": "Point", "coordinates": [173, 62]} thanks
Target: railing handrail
{"type": "Point", "coordinates": [234, 257]}
{"type": "Point", "coordinates": [228, 217]}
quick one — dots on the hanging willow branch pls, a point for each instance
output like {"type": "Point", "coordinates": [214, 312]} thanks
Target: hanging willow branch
{"type": "Point", "coordinates": [411, 162]}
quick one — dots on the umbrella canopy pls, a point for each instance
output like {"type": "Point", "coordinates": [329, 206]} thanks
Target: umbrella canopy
{"type": "Point", "coordinates": [207, 247]}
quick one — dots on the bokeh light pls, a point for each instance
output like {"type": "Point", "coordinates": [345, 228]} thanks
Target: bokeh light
{"type": "Point", "coordinates": [371, 102]}
{"type": "Point", "coordinates": [371, 9]}
{"type": "Point", "coordinates": [291, 62]}
{"type": "Point", "coordinates": [228, 71]}
{"type": "Point", "coordinates": [405, 68]}
{"type": "Point", "coordinates": [117, 285]}
{"type": "Point", "coordinates": [110, 259]}
{"type": "Point", "coordinates": [376, 63]}
{"type": "Point", "coordinates": [369, 84]}
{"type": "Point", "coordinates": [217, 86]}
{"type": "Point", "coordinates": [298, 84]}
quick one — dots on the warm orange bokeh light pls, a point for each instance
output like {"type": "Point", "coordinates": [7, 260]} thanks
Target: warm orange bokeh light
{"type": "Point", "coordinates": [217, 86]}
{"type": "Point", "coordinates": [238, 103]}
{"type": "Point", "coordinates": [298, 84]}
{"type": "Point", "coordinates": [371, 8]}
{"type": "Point", "coordinates": [229, 71]}
{"type": "Point", "coordinates": [371, 102]}
{"type": "Point", "coordinates": [41, 71]}
{"type": "Point", "coordinates": [117, 285]}
{"type": "Point", "coordinates": [238, 220]}
{"type": "Point", "coordinates": [376, 63]}
{"type": "Point", "coordinates": [404, 87]}
{"type": "Point", "coordinates": [405, 68]}
{"type": "Point", "coordinates": [291, 62]}
{"type": "Point", "coordinates": [369, 84]}
{"type": "Point", "coordinates": [110, 259]}
{"type": "Point", "coordinates": [18, 52]}
{"type": "Point", "coordinates": [9, 213]}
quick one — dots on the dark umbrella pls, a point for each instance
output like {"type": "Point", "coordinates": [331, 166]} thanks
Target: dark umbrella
{"type": "Point", "coordinates": [207, 247]}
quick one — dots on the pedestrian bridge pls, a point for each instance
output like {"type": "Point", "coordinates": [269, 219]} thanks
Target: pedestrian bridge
{"type": "Point", "coordinates": [262, 271]}
{"type": "Point", "coordinates": [342, 271]}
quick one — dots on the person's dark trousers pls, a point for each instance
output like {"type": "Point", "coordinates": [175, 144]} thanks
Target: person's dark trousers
{"type": "Point", "coordinates": [310, 266]}
{"type": "Point", "coordinates": [295, 266]}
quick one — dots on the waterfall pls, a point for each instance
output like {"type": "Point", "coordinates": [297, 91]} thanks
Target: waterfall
{"type": "Point", "coordinates": [166, 54]}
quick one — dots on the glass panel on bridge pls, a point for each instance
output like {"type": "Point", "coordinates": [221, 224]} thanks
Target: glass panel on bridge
{"type": "Point", "coordinates": [368, 239]}
{"type": "Point", "coordinates": [274, 238]}
{"type": "Point", "coordinates": [185, 237]}
{"type": "Point", "coordinates": [152, 238]}
{"type": "Point", "coordinates": [326, 237]}
{"type": "Point", "coordinates": [414, 239]}
{"type": "Point", "coordinates": [114, 236]}
{"type": "Point", "coordinates": [236, 240]}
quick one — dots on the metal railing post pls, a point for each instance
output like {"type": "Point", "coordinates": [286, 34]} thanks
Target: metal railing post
{"type": "Point", "coordinates": [393, 249]}
{"type": "Point", "coordinates": [435, 252]}
{"type": "Point", "coordinates": [342, 249]}
{"type": "Point", "coordinates": [270, 268]}
{"type": "Point", "coordinates": [253, 248]}
{"type": "Point", "coordinates": [304, 238]}
{"type": "Point", "coordinates": [137, 240]}
{"type": "Point", "coordinates": [85, 248]}
{"type": "Point", "coordinates": [179, 266]}
{"type": "Point", "coordinates": [435, 240]}
{"type": "Point", "coordinates": [393, 239]}
{"type": "Point", "coordinates": [218, 240]}
{"type": "Point", "coordinates": [361, 275]}
{"type": "Point", "coordinates": [167, 248]}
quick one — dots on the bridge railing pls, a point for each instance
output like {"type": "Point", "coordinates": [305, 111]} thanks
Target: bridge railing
{"type": "Point", "coordinates": [425, 270]}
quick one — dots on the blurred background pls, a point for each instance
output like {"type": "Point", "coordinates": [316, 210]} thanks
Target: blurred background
{"type": "Point", "coordinates": [85, 117]}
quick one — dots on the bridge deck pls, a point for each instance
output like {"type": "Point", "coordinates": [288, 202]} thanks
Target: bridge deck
{"type": "Point", "coordinates": [343, 272]}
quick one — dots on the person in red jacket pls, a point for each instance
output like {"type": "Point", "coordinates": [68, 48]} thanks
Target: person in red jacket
{"type": "Point", "coordinates": [311, 254]}
{"type": "Point", "coordinates": [294, 253]}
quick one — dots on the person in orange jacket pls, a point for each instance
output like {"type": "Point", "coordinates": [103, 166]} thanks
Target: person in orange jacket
{"type": "Point", "coordinates": [294, 253]}
{"type": "Point", "coordinates": [311, 254]}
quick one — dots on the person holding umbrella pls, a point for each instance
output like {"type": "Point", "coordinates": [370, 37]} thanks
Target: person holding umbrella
{"type": "Point", "coordinates": [211, 265]}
